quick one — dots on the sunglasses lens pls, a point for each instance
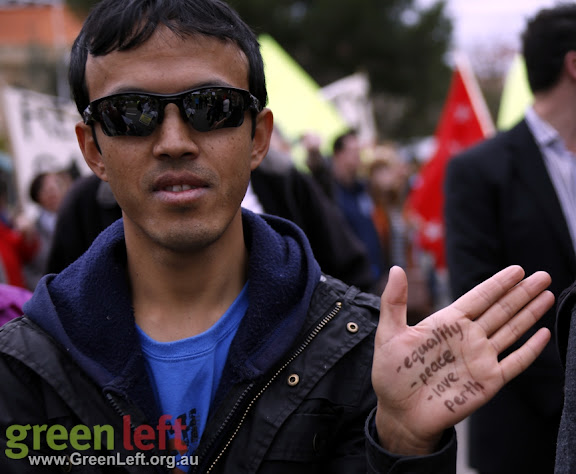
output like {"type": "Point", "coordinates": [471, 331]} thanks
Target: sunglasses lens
{"type": "Point", "coordinates": [129, 115]}
{"type": "Point", "coordinates": [212, 109]}
{"type": "Point", "coordinates": [137, 115]}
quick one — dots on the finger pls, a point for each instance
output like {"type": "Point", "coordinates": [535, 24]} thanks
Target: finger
{"type": "Point", "coordinates": [393, 305]}
{"type": "Point", "coordinates": [524, 320]}
{"type": "Point", "coordinates": [513, 301]}
{"type": "Point", "coordinates": [520, 359]}
{"type": "Point", "coordinates": [483, 296]}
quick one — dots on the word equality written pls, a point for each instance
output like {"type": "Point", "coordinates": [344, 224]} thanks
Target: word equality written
{"type": "Point", "coordinates": [438, 361]}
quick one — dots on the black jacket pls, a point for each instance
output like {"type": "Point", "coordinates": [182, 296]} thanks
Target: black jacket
{"type": "Point", "coordinates": [295, 394]}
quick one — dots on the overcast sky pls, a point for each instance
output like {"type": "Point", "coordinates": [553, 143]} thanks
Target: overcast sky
{"type": "Point", "coordinates": [479, 21]}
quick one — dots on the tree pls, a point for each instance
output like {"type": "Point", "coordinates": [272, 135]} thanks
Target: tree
{"type": "Point", "coordinates": [81, 7]}
{"type": "Point", "coordinates": [400, 46]}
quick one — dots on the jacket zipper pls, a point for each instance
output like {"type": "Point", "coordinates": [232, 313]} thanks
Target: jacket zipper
{"type": "Point", "coordinates": [230, 415]}
{"type": "Point", "coordinates": [298, 351]}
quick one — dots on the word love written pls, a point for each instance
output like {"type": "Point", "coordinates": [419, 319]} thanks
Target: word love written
{"type": "Point", "coordinates": [431, 361]}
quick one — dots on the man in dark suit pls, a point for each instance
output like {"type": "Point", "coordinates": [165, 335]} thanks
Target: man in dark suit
{"type": "Point", "coordinates": [512, 200]}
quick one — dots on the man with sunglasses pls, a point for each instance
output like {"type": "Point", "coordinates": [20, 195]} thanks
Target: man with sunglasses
{"type": "Point", "coordinates": [195, 329]}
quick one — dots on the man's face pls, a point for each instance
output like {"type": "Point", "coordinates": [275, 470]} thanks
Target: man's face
{"type": "Point", "coordinates": [348, 159]}
{"type": "Point", "coordinates": [178, 188]}
{"type": "Point", "coordinates": [51, 192]}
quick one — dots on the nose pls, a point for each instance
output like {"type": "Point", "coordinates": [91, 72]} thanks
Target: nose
{"type": "Point", "coordinates": [175, 136]}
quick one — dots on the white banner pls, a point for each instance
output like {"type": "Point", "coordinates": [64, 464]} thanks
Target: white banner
{"type": "Point", "coordinates": [351, 96]}
{"type": "Point", "coordinates": [41, 133]}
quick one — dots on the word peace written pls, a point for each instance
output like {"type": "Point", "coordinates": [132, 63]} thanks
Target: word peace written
{"type": "Point", "coordinates": [429, 359]}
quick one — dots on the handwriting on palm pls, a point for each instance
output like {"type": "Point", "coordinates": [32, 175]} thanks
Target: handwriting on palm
{"type": "Point", "coordinates": [431, 376]}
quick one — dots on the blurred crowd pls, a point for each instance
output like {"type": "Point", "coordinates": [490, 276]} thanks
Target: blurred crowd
{"type": "Point", "coordinates": [350, 203]}
{"type": "Point", "coordinates": [26, 238]}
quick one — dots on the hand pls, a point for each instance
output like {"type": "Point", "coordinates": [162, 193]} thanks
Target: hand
{"type": "Point", "coordinates": [431, 376]}
{"type": "Point", "coordinates": [311, 142]}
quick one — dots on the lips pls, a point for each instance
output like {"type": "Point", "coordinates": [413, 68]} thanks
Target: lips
{"type": "Point", "coordinates": [178, 182]}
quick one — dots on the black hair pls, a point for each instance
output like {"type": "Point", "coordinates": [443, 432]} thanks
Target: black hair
{"type": "Point", "coordinates": [338, 145]}
{"type": "Point", "coordinates": [115, 25]}
{"type": "Point", "coordinates": [546, 40]}
{"type": "Point", "coordinates": [36, 187]}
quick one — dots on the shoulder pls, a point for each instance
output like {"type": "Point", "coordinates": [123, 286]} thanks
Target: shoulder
{"type": "Point", "coordinates": [492, 150]}
{"type": "Point", "coordinates": [26, 346]}
{"type": "Point", "coordinates": [23, 353]}
{"type": "Point", "coordinates": [492, 159]}
{"type": "Point", "coordinates": [23, 340]}
{"type": "Point", "coordinates": [22, 327]}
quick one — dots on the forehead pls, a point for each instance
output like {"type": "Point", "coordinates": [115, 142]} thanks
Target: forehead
{"type": "Point", "coordinates": [351, 141]}
{"type": "Point", "coordinates": [168, 63]}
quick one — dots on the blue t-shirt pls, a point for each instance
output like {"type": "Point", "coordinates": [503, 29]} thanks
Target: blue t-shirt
{"type": "Point", "coordinates": [185, 374]}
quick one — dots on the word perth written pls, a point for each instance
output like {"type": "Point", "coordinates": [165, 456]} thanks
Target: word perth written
{"type": "Point", "coordinates": [429, 359]}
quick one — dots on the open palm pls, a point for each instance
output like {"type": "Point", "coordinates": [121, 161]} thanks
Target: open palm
{"type": "Point", "coordinates": [431, 376]}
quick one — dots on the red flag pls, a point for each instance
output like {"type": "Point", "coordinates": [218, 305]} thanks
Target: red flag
{"type": "Point", "coordinates": [465, 120]}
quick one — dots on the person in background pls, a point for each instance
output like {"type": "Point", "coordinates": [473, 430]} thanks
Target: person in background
{"type": "Point", "coordinates": [87, 209]}
{"type": "Point", "coordinates": [19, 242]}
{"type": "Point", "coordinates": [351, 195]}
{"type": "Point", "coordinates": [206, 333]}
{"type": "Point", "coordinates": [46, 190]}
{"type": "Point", "coordinates": [388, 186]}
{"type": "Point", "coordinates": [279, 188]}
{"type": "Point", "coordinates": [512, 200]}
{"type": "Point", "coordinates": [318, 165]}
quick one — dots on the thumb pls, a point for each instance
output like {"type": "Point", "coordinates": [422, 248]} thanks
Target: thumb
{"type": "Point", "coordinates": [393, 305]}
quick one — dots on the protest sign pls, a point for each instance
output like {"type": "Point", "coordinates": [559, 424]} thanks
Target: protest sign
{"type": "Point", "coordinates": [41, 136]}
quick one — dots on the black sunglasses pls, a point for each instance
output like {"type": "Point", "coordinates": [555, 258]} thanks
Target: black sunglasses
{"type": "Point", "coordinates": [137, 114]}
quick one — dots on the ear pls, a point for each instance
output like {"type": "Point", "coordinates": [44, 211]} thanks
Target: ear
{"type": "Point", "coordinates": [90, 150]}
{"type": "Point", "coordinates": [262, 134]}
{"type": "Point", "coordinates": [570, 64]}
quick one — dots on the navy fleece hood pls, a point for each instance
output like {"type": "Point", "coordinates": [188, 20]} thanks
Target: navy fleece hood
{"type": "Point", "coordinates": [87, 308]}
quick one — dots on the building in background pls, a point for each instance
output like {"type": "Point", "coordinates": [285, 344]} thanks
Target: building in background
{"type": "Point", "coordinates": [35, 38]}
